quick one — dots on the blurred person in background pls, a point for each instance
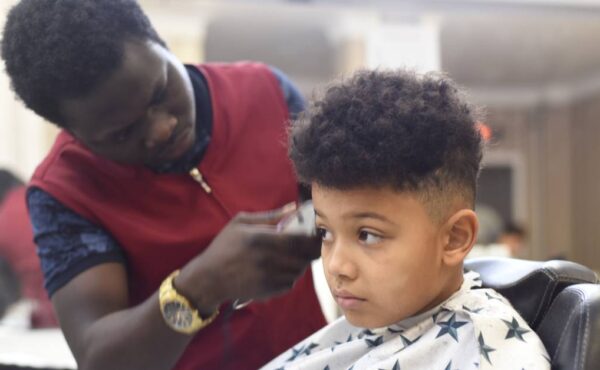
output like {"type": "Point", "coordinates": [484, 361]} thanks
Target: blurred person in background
{"type": "Point", "coordinates": [18, 249]}
{"type": "Point", "coordinates": [140, 209]}
{"type": "Point", "coordinates": [9, 289]}
{"type": "Point", "coordinates": [497, 238]}
{"type": "Point", "coordinates": [490, 229]}
{"type": "Point", "coordinates": [513, 237]}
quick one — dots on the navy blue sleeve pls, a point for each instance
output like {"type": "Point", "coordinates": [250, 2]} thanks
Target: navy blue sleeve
{"type": "Point", "coordinates": [67, 244]}
{"type": "Point", "coordinates": [293, 97]}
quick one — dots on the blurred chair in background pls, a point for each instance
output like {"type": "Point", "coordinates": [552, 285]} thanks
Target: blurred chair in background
{"type": "Point", "coordinates": [9, 287]}
{"type": "Point", "coordinates": [19, 251]}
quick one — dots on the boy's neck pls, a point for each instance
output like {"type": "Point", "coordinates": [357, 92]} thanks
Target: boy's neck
{"type": "Point", "coordinates": [452, 285]}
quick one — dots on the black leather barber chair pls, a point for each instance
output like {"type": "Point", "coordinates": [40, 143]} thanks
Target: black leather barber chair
{"type": "Point", "coordinates": [559, 299]}
{"type": "Point", "coordinates": [570, 329]}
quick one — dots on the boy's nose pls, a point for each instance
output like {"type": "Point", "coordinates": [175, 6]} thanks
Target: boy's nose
{"type": "Point", "coordinates": [338, 262]}
{"type": "Point", "coordinates": [161, 129]}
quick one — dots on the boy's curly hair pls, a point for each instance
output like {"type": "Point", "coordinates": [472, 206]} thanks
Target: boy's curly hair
{"type": "Point", "coordinates": [57, 49]}
{"type": "Point", "coordinates": [390, 128]}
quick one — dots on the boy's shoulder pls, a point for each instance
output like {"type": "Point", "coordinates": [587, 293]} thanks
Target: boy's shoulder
{"type": "Point", "coordinates": [486, 309]}
{"type": "Point", "coordinates": [478, 302]}
{"type": "Point", "coordinates": [500, 331]}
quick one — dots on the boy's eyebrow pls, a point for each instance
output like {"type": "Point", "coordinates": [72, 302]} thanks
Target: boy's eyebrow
{"type": "Point", "coordinates": [374, 215]}
{"type": "Point", "coordinates": [359, 215]}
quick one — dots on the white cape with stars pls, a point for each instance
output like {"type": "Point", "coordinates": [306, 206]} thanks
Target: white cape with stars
{"type": "Point", "coordinates": [473, 329]}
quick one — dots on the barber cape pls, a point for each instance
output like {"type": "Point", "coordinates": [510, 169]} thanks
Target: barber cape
{"type": "Point", "coordinates": [473, 329]}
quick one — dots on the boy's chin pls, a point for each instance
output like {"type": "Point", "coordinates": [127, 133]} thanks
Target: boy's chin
{"type": "Point", "coordinates": [365, 320]}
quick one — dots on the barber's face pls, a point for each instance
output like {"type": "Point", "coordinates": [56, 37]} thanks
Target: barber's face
{"type": "Point", "coordinates": [144, 113]}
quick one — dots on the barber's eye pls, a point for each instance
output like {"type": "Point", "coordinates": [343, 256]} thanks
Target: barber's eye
{"type": "Point", "coordinates": [160, 97]}
{"type": "Point", "coordinates": [122, 135]}
{"type": "Point", "coordinates": [324, 234]}
{"type": "Point", "coordinates": [368, 238]}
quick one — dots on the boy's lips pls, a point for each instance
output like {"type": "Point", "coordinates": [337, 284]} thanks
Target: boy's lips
{"type": "Point", "coordinates": [347, 300]}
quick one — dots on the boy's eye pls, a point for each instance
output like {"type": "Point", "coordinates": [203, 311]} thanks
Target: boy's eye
{"type": "Point", "coordinates": [324, 234]}
{"type": "Point", "coordinates": [368, 237]}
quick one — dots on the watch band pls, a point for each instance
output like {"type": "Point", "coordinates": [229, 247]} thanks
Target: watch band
{"type": "Point", "coordinates": [177, 311]}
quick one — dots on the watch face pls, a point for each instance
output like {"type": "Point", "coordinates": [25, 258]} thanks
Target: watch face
{"type": "Point", "coordinates": [179, 315]}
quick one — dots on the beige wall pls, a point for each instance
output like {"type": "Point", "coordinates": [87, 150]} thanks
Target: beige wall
{"type": "Point", "coordinates": [585, 131]}
{"type": "Point", "coordinates": [24, 137]}
{"type": "Point", "coordinates": [559, 148]}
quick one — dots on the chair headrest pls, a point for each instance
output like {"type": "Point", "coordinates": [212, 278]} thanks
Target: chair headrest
{"type": "Point", "coordinates": [529, 285]}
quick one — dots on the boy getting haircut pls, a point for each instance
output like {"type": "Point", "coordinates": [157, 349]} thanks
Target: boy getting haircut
{"type": "Point", "coordinates": [392, 158]}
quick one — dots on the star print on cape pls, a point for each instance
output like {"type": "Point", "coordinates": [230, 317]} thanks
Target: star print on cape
{"type": "Point", "coordinates": [515, 330]}
{"type": "Point", "coordinates": [449, 366]}
{"type": "Point", "coordinates": [302, 350]}
{"type": "Point", "coordinates": [407, 342]}
{"type": "Point", "coordinates": [435, 315]}
{"type": "Point", "coordinates": [395, 367]}
{"type": "Point", "coordinates": [365, 333]}
{"type": "Point", "coordinates": [450, 327]}
{"type": "Point", "coordinates": [489, 296]}
{"type": "Point", "coordinates": [475, 310]}
{"type": "Point", "coordinates": [484, 349]}
{"type": "Point", "coordinates": [374, 342]}
{"type": "Point", "coordinates": [337, 343]}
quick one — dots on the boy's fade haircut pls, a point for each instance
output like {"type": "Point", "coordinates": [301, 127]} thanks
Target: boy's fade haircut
{"type": "Point", "coordinates": [62, 49]}
{"type": "Point", "coordinates": [393, 129]}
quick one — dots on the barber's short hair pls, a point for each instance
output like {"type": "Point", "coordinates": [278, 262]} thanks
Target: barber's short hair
{"type": "Point", "coordinates": [57, 49]}
{"type": "Point", "coordinates": [393, 129]}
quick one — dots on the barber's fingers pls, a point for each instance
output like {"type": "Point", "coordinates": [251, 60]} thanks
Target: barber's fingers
{"type": "Point", "coordinates": [271, 217]}
{"type": "Point", "coordinates": [299, 246]}
{"type": "Point", "coordinates": [304, 246]}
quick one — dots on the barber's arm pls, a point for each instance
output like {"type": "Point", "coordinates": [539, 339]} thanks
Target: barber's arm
{"type": "Point", "coordinates": [247, 260]}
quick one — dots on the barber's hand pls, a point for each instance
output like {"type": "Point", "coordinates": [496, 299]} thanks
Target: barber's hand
{"type": "Point", "coordinates": [249, 259]}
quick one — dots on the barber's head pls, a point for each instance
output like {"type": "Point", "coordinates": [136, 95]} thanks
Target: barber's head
{"type": "Point", "coordinates": [98, 69]}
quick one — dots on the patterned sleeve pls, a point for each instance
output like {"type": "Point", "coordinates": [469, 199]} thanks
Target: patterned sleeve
{"type": "Point", "coordinates": [67, 244]}
{"type": "Point", "coordinates": [293, 97]}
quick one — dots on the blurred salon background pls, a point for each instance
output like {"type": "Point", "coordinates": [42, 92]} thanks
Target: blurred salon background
{"type": "Point", "coordinates": [533, 65]}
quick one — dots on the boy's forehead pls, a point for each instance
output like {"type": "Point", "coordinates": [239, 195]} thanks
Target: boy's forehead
{"type": "Point", "coordinates": [383, 199]}
{"type": "Point", "coordinates": [371, 191]}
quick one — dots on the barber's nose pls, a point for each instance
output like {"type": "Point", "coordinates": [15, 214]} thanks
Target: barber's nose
{"type": "Point", "coordinates": [161, 128]}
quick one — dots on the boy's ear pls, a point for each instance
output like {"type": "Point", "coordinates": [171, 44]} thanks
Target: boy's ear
{"type": "Point", "coordinates": [461, 232]}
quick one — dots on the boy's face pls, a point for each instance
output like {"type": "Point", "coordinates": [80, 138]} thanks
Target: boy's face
{"type": "Point", "coordinates": [382, 254]}
{"type": "Point", "coordinates": [144, 113]}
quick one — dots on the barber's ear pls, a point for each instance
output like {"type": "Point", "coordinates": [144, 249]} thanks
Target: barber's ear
{"type": "Point", "coordinates": [461, 232]}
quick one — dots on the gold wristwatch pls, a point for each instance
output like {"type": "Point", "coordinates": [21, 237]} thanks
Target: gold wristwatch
{"type": "Point", "coordinates": [177, 311]}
